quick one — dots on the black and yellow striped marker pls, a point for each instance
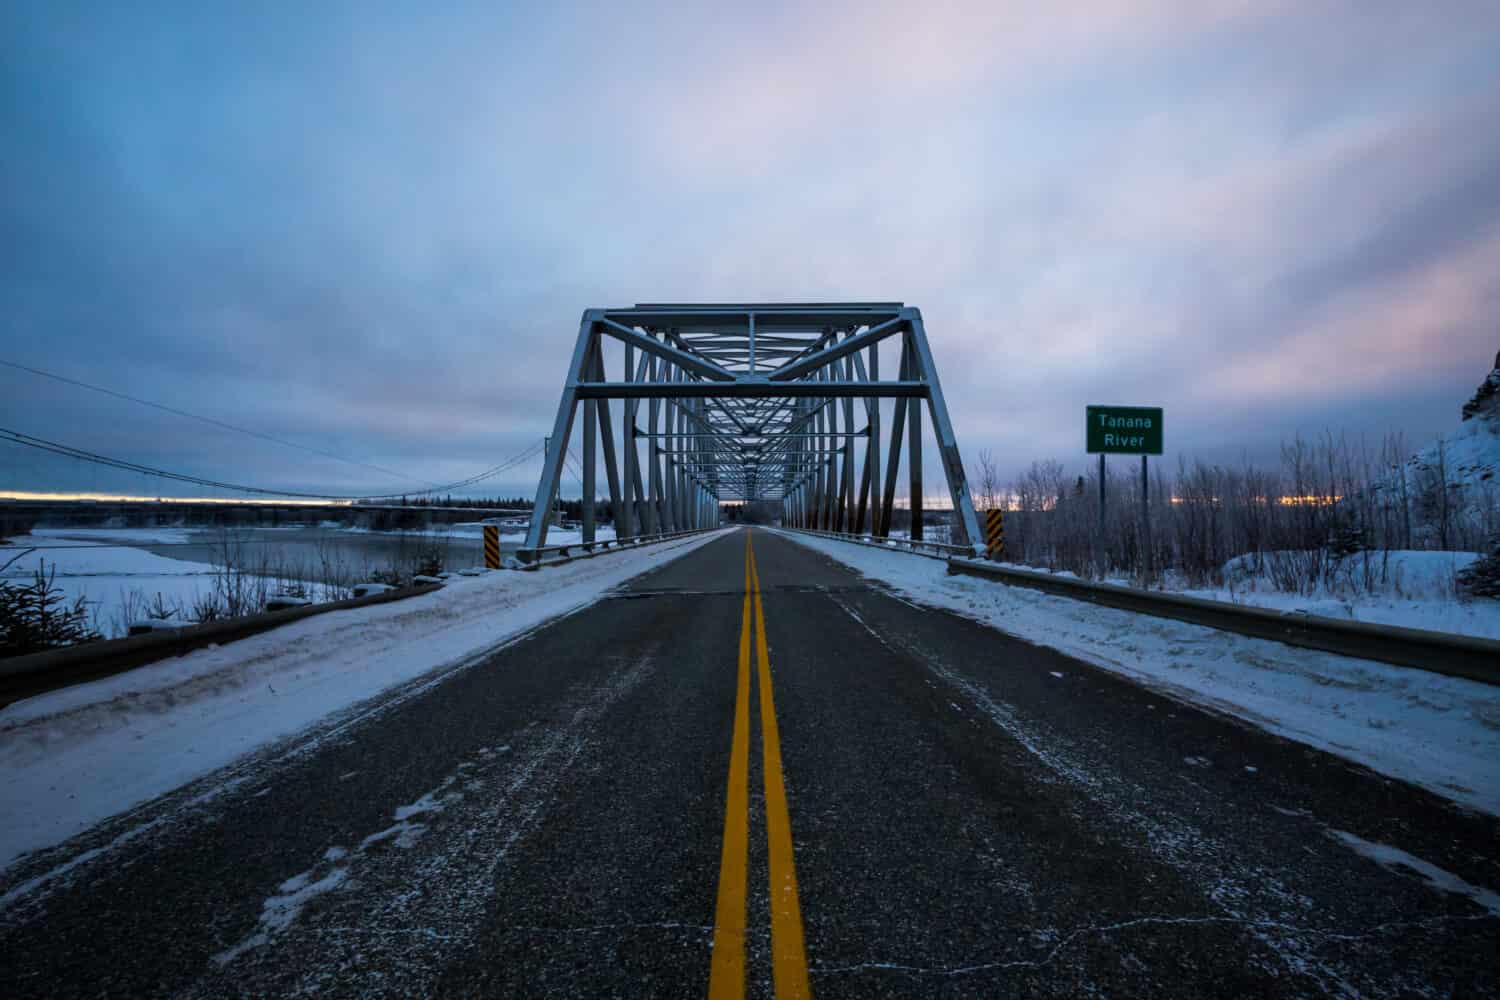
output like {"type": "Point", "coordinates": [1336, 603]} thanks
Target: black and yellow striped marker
{"type": "Point", "coordinates": [994, 533]}
{"type": "Point", "coordinates": [491, 546]}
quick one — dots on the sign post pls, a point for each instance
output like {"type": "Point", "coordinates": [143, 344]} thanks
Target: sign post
{"type": "Point", "coordinates": [1145, 520]}
{"type": "Point", "coordinates": [1125, 430]}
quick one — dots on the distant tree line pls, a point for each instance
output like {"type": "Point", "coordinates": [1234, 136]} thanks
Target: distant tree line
{"type": "Point", "coordinates": [1330, 513]}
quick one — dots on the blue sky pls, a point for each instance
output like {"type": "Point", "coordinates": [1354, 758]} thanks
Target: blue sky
{"type": "Point", "coordinates": [370, 228]}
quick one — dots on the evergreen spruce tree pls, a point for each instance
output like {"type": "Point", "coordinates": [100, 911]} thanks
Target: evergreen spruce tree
{"type": "Point", "coordinates": [1482, 578]}
{"type": "Point", "coordinates": [1348, 537]}
{"type": "Point", "coordinates": [37, 617]}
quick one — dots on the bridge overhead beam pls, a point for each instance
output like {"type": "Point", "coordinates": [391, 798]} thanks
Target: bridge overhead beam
{"type": "Point", "coordinates": [745, 390]}
{"type": "Point", "coordinates": [751, 402]}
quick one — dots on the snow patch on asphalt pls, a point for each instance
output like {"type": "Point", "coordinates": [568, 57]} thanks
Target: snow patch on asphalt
{"type": "Point", "coordinates": [71, 758]}
{"type": "Point", "coordinates": [1442, 733]}
{"type": "Point", "coordinates": [439, 895]}
{"type": "Point", "coordinates": [1395, 859]}
{"type": "Point", "coordinates": [280, 910]}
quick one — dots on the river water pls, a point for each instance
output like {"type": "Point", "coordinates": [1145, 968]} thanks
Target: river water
{"type": "Point", "coordinates": [358, 552]}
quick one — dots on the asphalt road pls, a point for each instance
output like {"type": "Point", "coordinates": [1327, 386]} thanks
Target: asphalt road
{"type": "Point", "coordinates": [596, 809]}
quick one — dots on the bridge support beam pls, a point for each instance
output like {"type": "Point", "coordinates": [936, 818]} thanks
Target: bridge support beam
{"type": "Point", "coordinates": [751, 403]}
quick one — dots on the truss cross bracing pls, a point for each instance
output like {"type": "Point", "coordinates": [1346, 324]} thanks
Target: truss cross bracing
{"type": "Point", "coordinates": [752, 402]}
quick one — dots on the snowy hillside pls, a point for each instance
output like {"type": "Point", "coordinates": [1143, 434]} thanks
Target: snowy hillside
{"type": "Point", "coordinates": [1453, 484]}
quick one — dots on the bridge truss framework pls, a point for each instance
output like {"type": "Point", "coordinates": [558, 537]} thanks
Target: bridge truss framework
{"type": "Point", "coordinates": [751, 402]}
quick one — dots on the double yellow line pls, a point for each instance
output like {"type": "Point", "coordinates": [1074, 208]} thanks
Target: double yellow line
{"type": "Point", "coordinates": [726, 979]}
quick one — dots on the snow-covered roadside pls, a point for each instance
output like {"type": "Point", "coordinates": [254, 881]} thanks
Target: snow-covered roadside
{"type": "Point", "coordinates": [73, 757]}
{"type": "Point", "coordinates": [1418, 592]}
{"type": "Point", "coordinates": [1442, 733]}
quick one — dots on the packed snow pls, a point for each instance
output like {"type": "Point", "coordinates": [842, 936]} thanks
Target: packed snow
{"type": "Point", "coordinates": [73, 757]}
{"type": "Point", "coordinates": [1410, 589]}
{"type": "Point", "coordinates": [1442, 733]}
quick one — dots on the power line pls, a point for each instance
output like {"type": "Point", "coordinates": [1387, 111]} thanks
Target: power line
{"type": "Point", "coordinates": [209, 420]}
{"type": "Point", "coordinates": [69, 451]}
{"type": "Point", "coordinates": [577, 466]}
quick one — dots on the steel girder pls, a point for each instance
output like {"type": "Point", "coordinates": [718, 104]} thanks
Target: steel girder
{"type": "Point", "coordinates": [751, 402]}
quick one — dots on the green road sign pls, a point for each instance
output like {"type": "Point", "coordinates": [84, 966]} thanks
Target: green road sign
{"type": "Point", "coordinates": [1124, 430]}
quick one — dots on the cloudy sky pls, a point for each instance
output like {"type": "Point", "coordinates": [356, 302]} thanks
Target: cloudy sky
{"type": "Point", "coordinates": [369, 229]}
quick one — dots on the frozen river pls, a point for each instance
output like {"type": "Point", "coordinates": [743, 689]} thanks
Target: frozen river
{"type": "Point", "coordinates": [119, 572]}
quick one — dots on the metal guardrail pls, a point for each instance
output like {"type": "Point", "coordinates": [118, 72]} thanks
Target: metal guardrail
{"type": "Point", "coordinates": [538, 557]}
{"type": "Point", "coordinates": [1437, 652]}
{"type": "Point", "coordinates": [38, 673]}
{"type": "Point", "coordinates": [933, 550]}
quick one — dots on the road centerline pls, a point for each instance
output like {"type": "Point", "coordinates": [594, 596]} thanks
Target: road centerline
{"type": "Point", "coordinates": [727, 970]}
{"type": "Point", "coordinates": [789, 974]}
{"type": "Point", "coordinates": [788, 944]}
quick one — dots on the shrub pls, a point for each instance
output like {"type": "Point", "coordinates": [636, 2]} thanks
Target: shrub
{"type": "Point", "coordinates": [37, 617]}
{"type": "Point", "coordinates": [1482, 577]}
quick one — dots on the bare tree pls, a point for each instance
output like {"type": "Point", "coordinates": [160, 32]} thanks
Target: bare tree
{"type": "Point", "coordinates": [989, 481]}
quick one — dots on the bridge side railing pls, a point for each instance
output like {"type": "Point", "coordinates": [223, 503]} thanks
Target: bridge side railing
{"type": "Point", "coordinates": [551, 555]}
{"type": "Point", "coordinates": [921, 547]}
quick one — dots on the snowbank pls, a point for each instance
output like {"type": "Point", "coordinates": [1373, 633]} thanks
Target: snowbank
{"type": "Point", "coordinates": [1409, 589]}
{"type": "Point", "coordinates": [1442, 733]}
{"type": "Point", "coordinates": [1412, 589]}
{"type": "Point", "coordinates": [71, 758]}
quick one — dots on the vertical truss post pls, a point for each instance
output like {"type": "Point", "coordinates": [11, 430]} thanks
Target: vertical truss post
{"type": "Point", "coordinates": [914, 458]}
{"type": "Point", "coordinates": [682, 484]}
{"type": "Point", "coordinates": [590, 420]}
{"type": "Point", "coordinates": [607, 438]}
{"type": "Point", "coordinates": [870, 476]}
{"type": "Point", "coordinates": [653, 453]}
{"type": "Point", "coordinates": [814, 446]}
{"type": "Point", "coordinates": [874, 443]}
{"type": "Point", "coordinates": [893, 463]}
{"type": "Point", "coordinates": [828, 467]}
{"type": "Point", "coordinates": [846, 507]}
{"type": "Point", "coordinates": [635, 498]}
{"type": "Point", "coordinates": [683, 480]}
{"type": "Point", "coordinates": [830, 462]}
{"type": "Point", "coordinates": [669, 459]}
{"type": "Point", "coordinates": [625, 522]}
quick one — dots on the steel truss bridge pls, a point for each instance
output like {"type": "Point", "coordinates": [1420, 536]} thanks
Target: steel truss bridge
{"type": "Point", "coordinates": [751, 402]}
